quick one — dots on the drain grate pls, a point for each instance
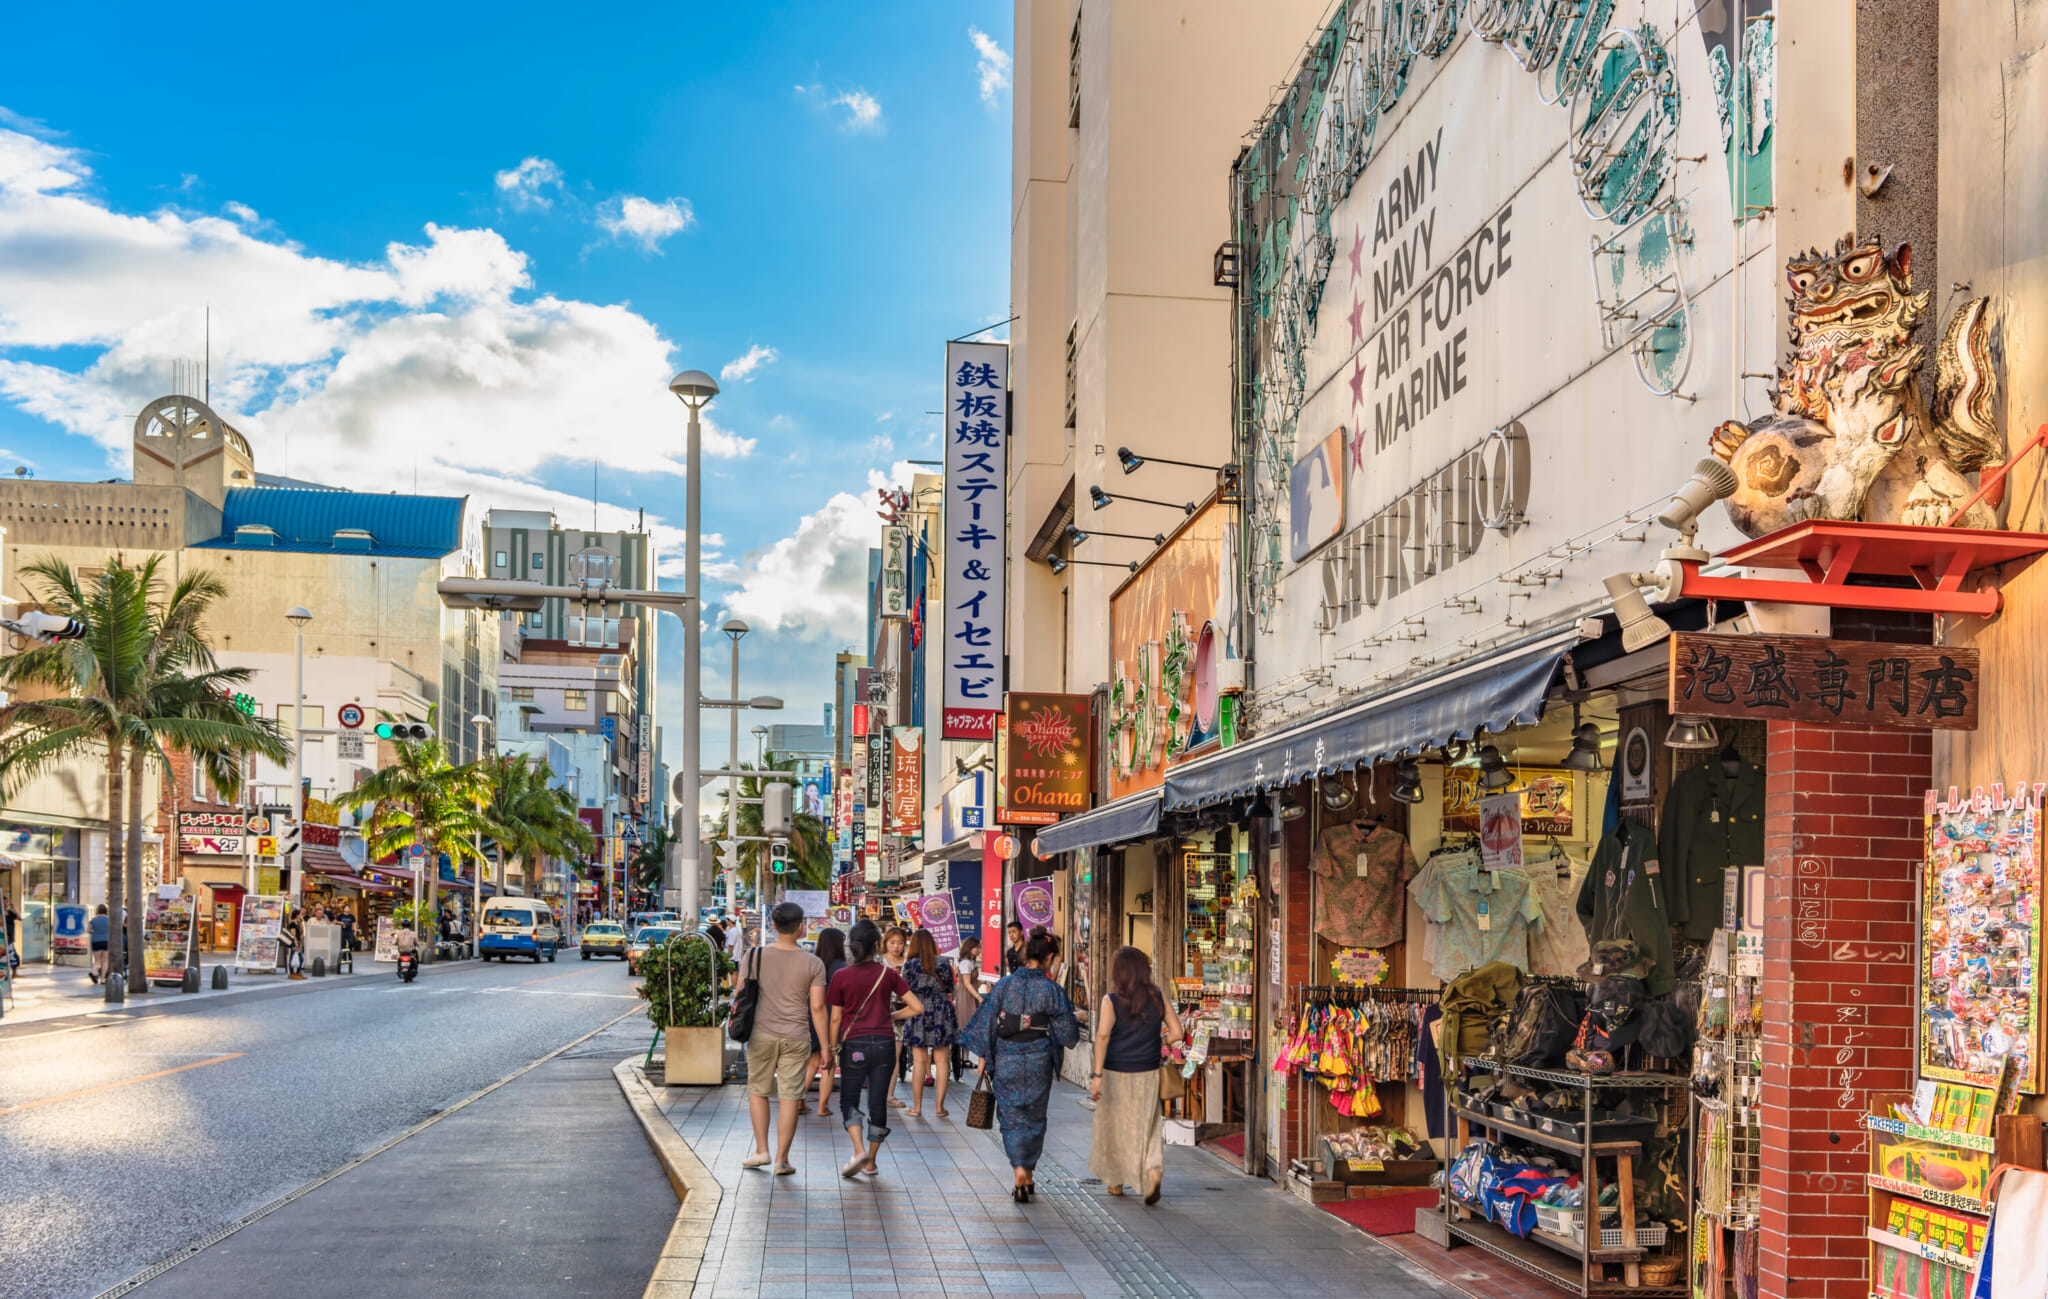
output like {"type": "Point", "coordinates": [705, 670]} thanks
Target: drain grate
{"type": "Point", "coordinates": [1138, 1271]}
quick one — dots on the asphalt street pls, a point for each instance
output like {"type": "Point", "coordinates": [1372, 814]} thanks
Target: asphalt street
{"type": "Point", "coordinates": [126, 1139]}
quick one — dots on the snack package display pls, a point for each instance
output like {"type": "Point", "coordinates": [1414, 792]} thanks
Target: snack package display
{"type": "Point", "coordinates": [1980, 944]}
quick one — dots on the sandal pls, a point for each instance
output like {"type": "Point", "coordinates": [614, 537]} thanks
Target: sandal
{"type": "Point", "coordinates": [943, 1114]}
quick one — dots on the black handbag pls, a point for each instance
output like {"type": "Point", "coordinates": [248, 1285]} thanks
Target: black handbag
{"type": "Point", "coordinates": [739, 1022]}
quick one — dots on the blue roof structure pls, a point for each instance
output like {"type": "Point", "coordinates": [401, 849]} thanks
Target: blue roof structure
{"type": "Point", "coordinates": [299, 519]}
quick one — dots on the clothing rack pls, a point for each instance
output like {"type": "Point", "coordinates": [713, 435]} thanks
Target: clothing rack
{"type": "Point", "coordinates": [1339, 994]}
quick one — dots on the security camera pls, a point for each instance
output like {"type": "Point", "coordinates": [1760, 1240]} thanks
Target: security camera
{"type": "Point", "coordinates": [1639, 627]}
{"type": "Point", "coordinates": [1711, 481]}
{"type": "Point", "coordinates": [49, 628]}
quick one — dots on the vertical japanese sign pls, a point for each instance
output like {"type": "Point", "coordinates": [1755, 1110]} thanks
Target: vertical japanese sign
{"type": "Point", "coordinates": [977, 435]}
{"type": "Point", "coordinates": [906, 775]}
{"type": "Point", "coordinates": [646, 747]}
{"type": "Point", "coordinates": [895, 572]}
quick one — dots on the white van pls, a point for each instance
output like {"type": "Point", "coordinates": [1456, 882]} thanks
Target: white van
{"type": "Point", "coordinates": [518, 927]}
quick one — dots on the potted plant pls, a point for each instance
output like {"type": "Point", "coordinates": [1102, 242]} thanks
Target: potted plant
{"type": "Point", "coordinates": [680, 980]}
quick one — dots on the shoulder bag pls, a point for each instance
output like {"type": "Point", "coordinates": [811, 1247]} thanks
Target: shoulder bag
{"type": "Point", "coordinates": [739, 1024]}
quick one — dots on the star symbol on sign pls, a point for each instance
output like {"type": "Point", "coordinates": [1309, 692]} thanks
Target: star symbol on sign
{"type": "Point", "coordinates": [1357, 252]}
{"type": "Point", "coordinates": [1358, 449]}
{"type": "Point", "coordinates": [1357, 382]}
{"type": "Point", "coordinates": [1357, 321]}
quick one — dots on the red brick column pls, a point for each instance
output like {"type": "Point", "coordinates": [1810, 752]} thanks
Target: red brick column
{"type": "Point", "coordinates": [1842, 851]}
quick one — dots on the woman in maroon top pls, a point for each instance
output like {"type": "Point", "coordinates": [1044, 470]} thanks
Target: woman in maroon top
{"type": "Point", "coordinates": [863, 1033]}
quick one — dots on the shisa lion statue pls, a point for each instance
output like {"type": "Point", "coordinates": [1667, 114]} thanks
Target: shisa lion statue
{"type": "Point", "coordinates": [1851, 437]}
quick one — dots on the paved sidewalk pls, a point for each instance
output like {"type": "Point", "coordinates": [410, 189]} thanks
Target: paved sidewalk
{"type": "Point", "coordinates": [43, 992]}
{"type": "Point", "coordinates": [940, 1221]}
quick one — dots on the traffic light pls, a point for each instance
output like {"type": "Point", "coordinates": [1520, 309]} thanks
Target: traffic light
{"type": "Point", "coordinates": [778, 857]}
{"type": "Point", "coordinates": [728, 856]}
{"type": "Point", "coordinates": [287, 838]}
{"type": "Point", "coordinates": [777, 807]}
{"type": "Point", "coordinates": [405, 731]}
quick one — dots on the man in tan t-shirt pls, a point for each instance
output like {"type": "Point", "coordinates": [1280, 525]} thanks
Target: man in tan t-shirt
{"type": "Point", "coordinates": [792, 1002]}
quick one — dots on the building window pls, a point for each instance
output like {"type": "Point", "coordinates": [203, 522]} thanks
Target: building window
{"type": "Point", "coordinates": [1074, 73]}
{"type": "Point", "coordinates": [202, 789]}
{"type": "Point", "coordinates": [312, 716]}
{"type": "Point", "coordinates": [522, 694]}
{"type": "Point", "coordinates": [1073, 334]}
{"type": "Point", "coordinates": [575, 701]}
{"type": "Point", "coordinates": [539, 562]}
{"type": "Point", "coordinates": [498, 560]}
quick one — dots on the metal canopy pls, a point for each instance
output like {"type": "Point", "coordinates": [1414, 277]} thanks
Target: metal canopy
{"type": "Point", "coordinates": [1131, 817]}
{"type": "Point", "coordinates": [1492, 694]}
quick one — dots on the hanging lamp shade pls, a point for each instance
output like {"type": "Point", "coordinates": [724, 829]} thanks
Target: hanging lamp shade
{"type": "Point", "coordinates": [1585, 754]}
{"type": "Point", "coordinates": [1691, 733]}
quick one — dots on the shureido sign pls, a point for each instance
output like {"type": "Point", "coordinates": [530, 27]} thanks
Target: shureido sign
{"type": "Point", "coordinates": [977, 446]}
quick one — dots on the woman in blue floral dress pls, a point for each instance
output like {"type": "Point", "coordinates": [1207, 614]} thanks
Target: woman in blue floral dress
{"type": "Point", "coordinates": [1014, 1032]}
{"type": "Point", "coordinates": [929, 1037]}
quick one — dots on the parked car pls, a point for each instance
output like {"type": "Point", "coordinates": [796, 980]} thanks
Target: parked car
{"type": "Point", "coordinates": [649, 936]}
{"type": "Point", "coordinates": [604, 938]}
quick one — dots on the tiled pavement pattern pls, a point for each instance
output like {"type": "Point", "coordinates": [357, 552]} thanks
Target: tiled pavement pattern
{"type": "Point", "coordinates": [940, 1221]}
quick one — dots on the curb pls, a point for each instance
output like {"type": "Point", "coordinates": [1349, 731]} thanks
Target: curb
{"type": "Point", "coordinates": [675, 1272]}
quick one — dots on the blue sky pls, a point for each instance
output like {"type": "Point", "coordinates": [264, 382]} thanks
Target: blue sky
{"type": "Point", "coordinates": [469, 245]}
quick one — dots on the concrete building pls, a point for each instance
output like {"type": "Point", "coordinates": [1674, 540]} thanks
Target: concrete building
{"type": "Point", "coordinates": [365, 564]}
{"type": "Point", "coordinates": [1126, 120]}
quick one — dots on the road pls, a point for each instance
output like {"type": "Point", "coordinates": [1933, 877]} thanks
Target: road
{"type": "Point", "coordinates": [126, 1140]}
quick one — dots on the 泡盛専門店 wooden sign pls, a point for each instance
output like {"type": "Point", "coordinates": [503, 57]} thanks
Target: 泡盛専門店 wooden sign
{"type": "Point", "coordinates": [1802, 679]}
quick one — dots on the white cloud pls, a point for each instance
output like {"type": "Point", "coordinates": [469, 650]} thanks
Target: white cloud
{"type": "Point", "coordinates": [814, 581]}
{"type": "Point", "coordinates": [742, 367]}
{"type": "Point", "coordinates": [643, 221]}
{"type": "Point", "coordinates": [438, 355]}
{"type": "Point", "coordinates": [863, 111]}
{"type": "Point", "coordinates": [992, 63]}
{"type": "Point", "coordinates": [527, 184]}
{"type": "Point", "coordinates": [242, 212]}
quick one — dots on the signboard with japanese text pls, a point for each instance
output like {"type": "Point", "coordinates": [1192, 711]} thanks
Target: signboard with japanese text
{"type": "Point", "coordinates": [977, 435]}
{"type": "Point", "coordinates": [262, 921]}
{"type": "Point", "coordinates": [895, 589]}
{"type": "Point", "coordinates": [348, 746]}
{"type": "Point", "coordinates": [1547, 794]}
{"type": "Point", "coordinates": [219, 833]}
{"type": "Point", "coordinates": [1804, 679]}
{"type": "Point", "coordinates": [906, 780]}
{"type": "Point", "coordinates": [1045, 758]}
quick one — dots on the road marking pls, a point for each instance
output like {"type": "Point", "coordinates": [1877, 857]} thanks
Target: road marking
{"type": "Point", "coordinates": [125, 1082]}
{"type": "Point", "coordinates": [570, 975]}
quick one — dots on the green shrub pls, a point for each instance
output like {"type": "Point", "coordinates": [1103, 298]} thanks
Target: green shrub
{"type": "Point", "coordinates": [680, 981]}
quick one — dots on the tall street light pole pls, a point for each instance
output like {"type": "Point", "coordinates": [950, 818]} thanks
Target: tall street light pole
{"type": "Point", "coordinates": [736, 629]}
{"type": "Point", "coordinates": [476, 887]}
{"type": "Point", "coordinates": [298, 616]}
{"type": "Point", "coordinates": [695, 389]}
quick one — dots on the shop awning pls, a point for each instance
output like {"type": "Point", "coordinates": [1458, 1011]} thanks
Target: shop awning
{"type": "Point", "coordinates": [1494, 693]}
{"type": "Point", "coordinates": [966, 848]}
{"type": "Point", "coordinates": [1131, 817]}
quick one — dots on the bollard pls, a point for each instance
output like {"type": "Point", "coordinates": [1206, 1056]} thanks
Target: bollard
{"type": "Point", "coordinates": [220, 978]}
{"type": "Point", "coordinates": [117, 989]}
{"type": "Point", "coordinates": [190, 983]}
{"type": "Point", "coordinates": [319, 970]}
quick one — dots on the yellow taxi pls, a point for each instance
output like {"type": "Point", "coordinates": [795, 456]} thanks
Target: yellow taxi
{"type": "Point", "coordinates": [604, 938]}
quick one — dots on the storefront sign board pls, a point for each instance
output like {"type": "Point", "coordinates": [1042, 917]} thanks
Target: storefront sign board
{"type": "Point", "coordinates": [1548, 796]}
{"type": "Point", "coordinates": [895, 591]}
{"type": "Point", "coordinates": [167, 937]}
{"type": "Point", "coordinates": [906, 780]}
{"type": "Point", "coordinates": [934, 912]}
{"type": "Point", "coordinates": [1830, 682]}
{"type": "Point", "coordinates": [387, 941]}
{"type": "Point", "coordinates": [1046, 761]}
{"type": "Point", "coordinates": [977, 447]}
{"type": "Point", "coordinates": [262, 921]}
{"type": "Point", "coordinates": [1156, 622]}
{"type": "Point", "coordinates": [1031, 903]}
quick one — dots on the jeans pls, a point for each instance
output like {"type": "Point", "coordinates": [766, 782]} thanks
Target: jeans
{"type": "Point", "coordinates": [867, 1063]}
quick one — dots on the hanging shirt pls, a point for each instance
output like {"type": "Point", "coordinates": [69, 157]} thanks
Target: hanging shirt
{"type": "Point", "coordinates": [1486, 915]}
{"type": "Point", "coordinates": [1558, 946]}
{"type": "Point", "coordinates": [1360, 870]}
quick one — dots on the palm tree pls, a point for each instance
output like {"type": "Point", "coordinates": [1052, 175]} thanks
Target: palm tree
{"type": "Point", "coordinates": [525, 816]}
{"type": "Point", "coordinates": [650, 860]}
{"type": "Point", "coordinates": [810, 854]}
{"type": "Point", "coordinates": [142, 677]}
{"type": "Point", "coordinates": [421, 799]}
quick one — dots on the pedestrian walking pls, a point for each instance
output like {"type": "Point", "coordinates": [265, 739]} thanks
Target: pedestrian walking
{"type": "Point", "coordinates": [791, 1007]}
{"type": "Point", "coordinates": [1129, 1147]}
{"type": "Point", "coordinates": [862, 1036]}
{"type": "Point", "coordinates": [292, 940]}
{"type": "Point", "coordinates": [831, 951]}
{"type": "Point", "coordinates": [98, 937]}
{"type": "Point", "coordinates": [966, 995]}
{"type": "Point", "coordinates": [1015, 1032]}
{"type": "Point", "coordinates": [929, 1035]}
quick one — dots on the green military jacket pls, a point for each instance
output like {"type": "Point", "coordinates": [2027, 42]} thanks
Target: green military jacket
{"type": "Point", "coordinates": [1711, 822]}
{"type": "Point", "coordinates": [1627, 894]}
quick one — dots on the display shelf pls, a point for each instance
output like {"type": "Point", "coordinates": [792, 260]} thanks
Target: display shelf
{"type": "Point", "coordinates": [1940, 1136]}
{"type": "Point", "coordinates": [1946, 1199]}
{"type": "Point", "coordinates": [1935, 1252]}
{"type": "Point", "coordinates": [1563, 1078]}
{"type": "Point", "coordinates": [1545, 1139]}
{"type": "Point", "coordinates": [1546, 1261]}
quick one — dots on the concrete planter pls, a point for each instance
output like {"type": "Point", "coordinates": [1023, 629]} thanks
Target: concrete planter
{"type": "Point", "coordinates": [695, 1057]}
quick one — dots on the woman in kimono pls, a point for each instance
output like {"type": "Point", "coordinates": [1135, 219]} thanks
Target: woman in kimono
{"type": "Point", "coordinates": [1015, 1032]}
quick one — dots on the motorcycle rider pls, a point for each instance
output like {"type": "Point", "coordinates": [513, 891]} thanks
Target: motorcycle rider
{"type": "Point", "coordinates": [407, 943]}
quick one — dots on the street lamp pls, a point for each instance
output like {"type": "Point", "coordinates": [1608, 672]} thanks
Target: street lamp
{"type": "Point", "coordinates": [760, 746]}
{"type": "Point", "coordinates": [694, 389]}
{"type": "Point", "coordinates": [611, 812]}
{"type": "Point", "coordinates": [476, 886]}
{"type": "Point", "coordinates": [737, 630]}
{"type": "Point", "coordinates": [298, 616]}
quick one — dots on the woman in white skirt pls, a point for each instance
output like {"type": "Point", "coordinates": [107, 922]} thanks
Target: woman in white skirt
{"type": "Point", "coordinates": [1129, 1147]}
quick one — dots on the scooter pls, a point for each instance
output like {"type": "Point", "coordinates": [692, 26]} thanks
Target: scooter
{"type": "Point", "coordinates": [408, 966]}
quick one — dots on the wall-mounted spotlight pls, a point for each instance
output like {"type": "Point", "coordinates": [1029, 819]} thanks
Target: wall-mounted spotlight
{"type": "Point", "coordinates": [1103, 499]}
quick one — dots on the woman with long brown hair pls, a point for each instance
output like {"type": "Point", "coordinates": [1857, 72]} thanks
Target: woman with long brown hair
{"type": "Point", "coordinates": [929, 1036]}
{"type": "Point", "coordinates": [1129, 1147]}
